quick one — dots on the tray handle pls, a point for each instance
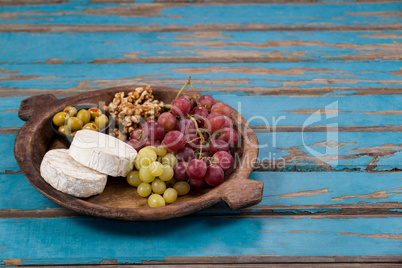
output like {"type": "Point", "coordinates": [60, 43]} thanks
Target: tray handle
{"type": "Point", "coordinates": [248, 192]}
{"type": "Point", "coordinates": [34, 104]}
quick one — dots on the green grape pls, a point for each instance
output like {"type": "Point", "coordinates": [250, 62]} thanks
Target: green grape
{"type": "Point", "coordinates": [167, 174]}
{"type": "Point", "coordinates": [161, 150]}
{"type": "Point", "coordinates": [151, 147]}
{"type": "Point", "coordinates": [133, 178]}
{"type": "Point", "coordinates": [156, 200]}
{"type": "Point", "coordinates": [182, 187]}
{"type": "Point", "coordinates": [144, 189]}
{"type": "Point", "coordinates": [170, 195]}
{"type": "Point", "coordinates": [137, 162]}
{"type": "Point", "coordinates": [171, 183]}
{"type": "Point", "coordinates": [145, 175]}
{"type": "Point", "coordinates": [156, 169]}
{"type": "Point", "coordinates": [147, 156]}
{"type": "Point", "coordinates": [158, 186]}
{"type": "Point", "coordinates": [169, 159]}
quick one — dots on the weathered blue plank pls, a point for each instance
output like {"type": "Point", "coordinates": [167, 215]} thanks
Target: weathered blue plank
{"type": "Point", "coordinates": [89, 240]}
{"type": "Point", "coordinates": [312, 151]}
{"type": "Point", "coordinates": [8, 161]}
{"type": "Point", "coordinates": [318, 188]}
{"type": "Point", "coordinates": [280, 189]}
{"type": "Point", "coordinates": [15, 185]}
{"type": "Point", "coordinates": [237, 76]}
{"type": "Point", "coordinates": [297, 151]}
{"type": "Point", "coordinates": [315, 111]}
{"type": "Point", "coordinates": [331, 14]}
{"type": "Point", "coordinates": [25, 48]}
{"type": "Point", "coordinates": [272, 111]}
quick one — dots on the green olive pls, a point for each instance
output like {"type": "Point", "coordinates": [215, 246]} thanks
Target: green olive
{"type": "Point", "coordinates": [101, 121]}
{"type": "Point", "coordinates": [60, 118]}
{"type": "Point", "coordinates": [65, 130]}
{"type": "Point", "coordinates": [94, 112]}
{"type": "Point", "coordinates": [70, 110]}
{"type": "Point", "coordinates": [73, 134]}
{"type": "Point", "coordinates": [84, 115]}
{"type": "Point", "coordinates": [91, 126]}
{"type": "Point", "coordinates": [75, 123]}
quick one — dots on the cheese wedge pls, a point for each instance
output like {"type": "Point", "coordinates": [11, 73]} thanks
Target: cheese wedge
{"type": "Point", "coordinates": [103, 153]}
{"type": "Point", "coordinates": [63, 173]}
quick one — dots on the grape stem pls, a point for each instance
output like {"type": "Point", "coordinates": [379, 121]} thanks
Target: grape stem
{"type": "Point", "coordinates": [185, 85]}
{"type": "Point", "coordinates": [199, 134]}
{"type": "Point", "coordinates": [194, 140]}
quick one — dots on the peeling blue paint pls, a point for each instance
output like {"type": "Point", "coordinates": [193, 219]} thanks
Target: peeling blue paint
{"type": "Point", "coordinates": [317, 188]}
{"type": "Point", "coordinates": [134, 242]}
{"type": "Point", "coordinates": [86, 47]}
{"type": "Point", "coordinates": [280, 188]}
{"type": "Point", "coordinates": [307, 14]}
{"type": "Point", "coordinates": [341, 92]}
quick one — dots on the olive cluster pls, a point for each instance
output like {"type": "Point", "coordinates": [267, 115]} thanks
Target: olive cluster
{"type": "Point", "coordinates": [70, 120]}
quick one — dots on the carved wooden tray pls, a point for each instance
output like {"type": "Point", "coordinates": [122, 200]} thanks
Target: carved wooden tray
{"type": "Point", "coordinates": [119, 200]}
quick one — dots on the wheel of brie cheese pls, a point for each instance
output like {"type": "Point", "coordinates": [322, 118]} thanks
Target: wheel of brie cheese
{"type": "Point", "coordinates": [103, 153]}
{"type": "Point", "coordinates": [65, 174]}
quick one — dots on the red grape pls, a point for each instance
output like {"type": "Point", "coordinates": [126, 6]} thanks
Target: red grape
{"type": "Point", "coordinates": [180, 173]}
{"type": "Point", "coordinates": [186, 126]}
{"type": "Point", "coordinates": [227, 134]}
{"type": "Point", "coordinates": [153, 130]}
{"type": "Point", "coordinates": [180, 106]}
{"type": "Point", "coordinates": [228, 122]}
{"type": "Point", "coordinates": [196, 169]}
{"type": "Point", "coordinates": [193, 141]}
{"type": "Point", "coordinates": [215, 122]}
{"type": "Point", "coordinates": [191, 99]}
{"type": "Point", "coordinates": [218, 145]}
{"type": "Point", "coordinates": [214, 175]}
{"type": "Point", "coordinates": [149, 142]}
{"type": "Point", "coordinates": [223, 159]}
{"type": "Point", "coordinates": [221, 108]}
{"type": "Point", "coordinates": [200, 114]}
{"type": "Point", "coordinates": [136, 134]}
{"type": "Point", "coordinates": [168, 121]}
{"type": "Point", "coordinates": [136, 144]}
{"type": "Point", "coordinates": [206, 101]}
{"type": "Point", "coordinates": [170, 151]}
{"type": "Point", "coordinates": [185, 154]}
{"type": "Point", "coordinates": [197, 184]}
{"type": "Point", "coordinates": [174, 140]}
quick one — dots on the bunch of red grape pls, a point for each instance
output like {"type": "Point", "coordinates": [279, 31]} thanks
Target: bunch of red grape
{"type": "Point", "coordinates": [199, 132]}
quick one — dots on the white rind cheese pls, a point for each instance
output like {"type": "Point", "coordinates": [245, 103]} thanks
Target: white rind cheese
{"type": "Point", "coordinates": [103, 153]}
{"type": "Point", "coordinates": [68, 176]}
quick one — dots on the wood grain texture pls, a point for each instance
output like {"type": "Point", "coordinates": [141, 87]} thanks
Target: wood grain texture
{"type": "Point", "coordinates": [283, 78]}
{"type": "Point", "coordinates": [331, 151]}
{"type": "Point", "coordinates": [56, 48]}
{"type": "Point", "coordinates": [111, 263]}
{"type": "Point", "coordinates": [247, 240]}
{"type": "Point", "coordinates": [312, 52]}
{"type": "Point", "coordinates": [75, 17]}
{"type": "Point", "coordinates": [318, 194]}
{"type": "Point", "coordinates": [288, 113]}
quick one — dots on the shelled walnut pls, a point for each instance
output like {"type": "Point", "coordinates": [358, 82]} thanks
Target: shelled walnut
{"type": "Point", "coordinates": [127, 111]}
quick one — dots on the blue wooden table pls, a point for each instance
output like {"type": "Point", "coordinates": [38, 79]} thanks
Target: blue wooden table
{"type": "Point", "coordinates": [320, 82]}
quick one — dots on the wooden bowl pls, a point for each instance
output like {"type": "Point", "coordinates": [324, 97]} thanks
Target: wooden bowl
{"type": "Point", "coordinates": [119, 200]}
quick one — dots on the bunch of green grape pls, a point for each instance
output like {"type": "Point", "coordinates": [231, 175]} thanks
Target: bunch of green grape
{"type": "Point", "coordinates": [153, 176]}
